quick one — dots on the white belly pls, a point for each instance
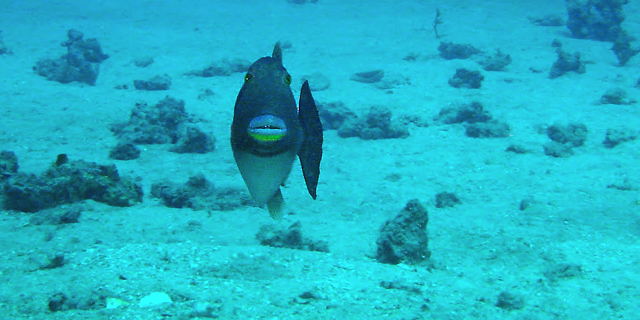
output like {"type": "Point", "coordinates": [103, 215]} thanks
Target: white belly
{"type": "Point", "coordinates": [264, 176]}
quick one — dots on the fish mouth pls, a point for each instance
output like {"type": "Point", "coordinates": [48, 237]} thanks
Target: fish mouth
{"type": "Point", "coordinates": [267, 128]}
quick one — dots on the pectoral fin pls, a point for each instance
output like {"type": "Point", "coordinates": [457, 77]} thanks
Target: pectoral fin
{"type": "Point", "coordinates": [310, 152]}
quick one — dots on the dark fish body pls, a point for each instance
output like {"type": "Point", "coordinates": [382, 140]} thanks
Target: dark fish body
{"type": "Point", "coordinates": [269, 131]}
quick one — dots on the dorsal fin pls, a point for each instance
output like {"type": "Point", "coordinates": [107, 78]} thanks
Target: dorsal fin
{"type": "Point", "coordinates": [277, 52]}
{"type": "Point", "coordinates": [310, 152]}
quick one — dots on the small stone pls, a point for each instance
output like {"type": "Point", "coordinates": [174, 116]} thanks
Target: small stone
{"type": "Point", "coordinates": [155, 299]}
{"type": "Point", "coordinates": [57, 302]}
{"type": "Point", "coordinates": [526, 203]}
{"type": "Point", "coordinates": [447, 200]}
{"type": "Point", "coordinates": [518, 149]}
{"type": "Point", "coordinates": [404, 238]}
{"type": "Point", "coordinates": [509, 301]}
{"type": "Point", "coordinates": [495, 62]}
{"type": "Point", "coordinates": [464, 78]}
{"type": "Point", "coordinates": [451, 51]}
{"type": "Point", "coordinates": [566, 62]}
{"type": "Point", "coordinates": [113, 303]}
{"type": "Point", "coordinates": [557, 150]}
{"type": "Point", "coordinates": [549, 20]}
{"type": "Point", "coordinates": [573, 134]}
{"type": "Point", "coordinates": [317, 81]}
{"type": "Point", "coordinates": [617, 136]}
{"type": "Point", "coordinates": [285, 44]}
{"type": "Point", "coordinates": [616, 96]}
{"type": "Point", "coordinates": [372, 76]}
{"type": "Point", "coordinates": [124, 151]}
{"type": "Point", "coordinates": [143, 62]}
{"type": "Point", "coordinates": [490, 129]}
{"type": "Point", "coordinates": [207, 309]}
{"type": "Point", "coordinates": [156, 83]}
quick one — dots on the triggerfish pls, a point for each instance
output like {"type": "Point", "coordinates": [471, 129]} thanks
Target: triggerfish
{"type": "Point", "coordinates": [268, 131]}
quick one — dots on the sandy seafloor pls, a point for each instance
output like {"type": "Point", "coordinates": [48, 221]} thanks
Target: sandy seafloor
{"type": "Point", "coordinates": [481, 248]}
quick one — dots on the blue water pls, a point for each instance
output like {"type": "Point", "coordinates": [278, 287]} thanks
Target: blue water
{"type": "Point", "coordinates": [541, 229]}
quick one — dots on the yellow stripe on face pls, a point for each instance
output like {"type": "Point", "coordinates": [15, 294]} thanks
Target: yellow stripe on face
{"type": "Point", "coordinates": [267, 135]}
{"type": "Point", "coordinates": [267, 128]}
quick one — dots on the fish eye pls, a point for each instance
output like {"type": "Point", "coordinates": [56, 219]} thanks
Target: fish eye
{"type": "Point", "coordinates": [287, 79]}
{"type": "Point", "coordinates": [248, 77]}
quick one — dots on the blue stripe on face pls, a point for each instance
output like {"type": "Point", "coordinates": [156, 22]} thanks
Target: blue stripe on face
{"type": "Point", "coordinates": [267, 128]}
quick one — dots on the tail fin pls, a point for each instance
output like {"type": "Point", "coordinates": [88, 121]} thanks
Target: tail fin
{"type": "Point", "coordinates": [275, 205]}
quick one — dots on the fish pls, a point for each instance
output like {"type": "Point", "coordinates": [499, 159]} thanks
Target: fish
{"type": "Point", "coordinates": [268, 132]}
